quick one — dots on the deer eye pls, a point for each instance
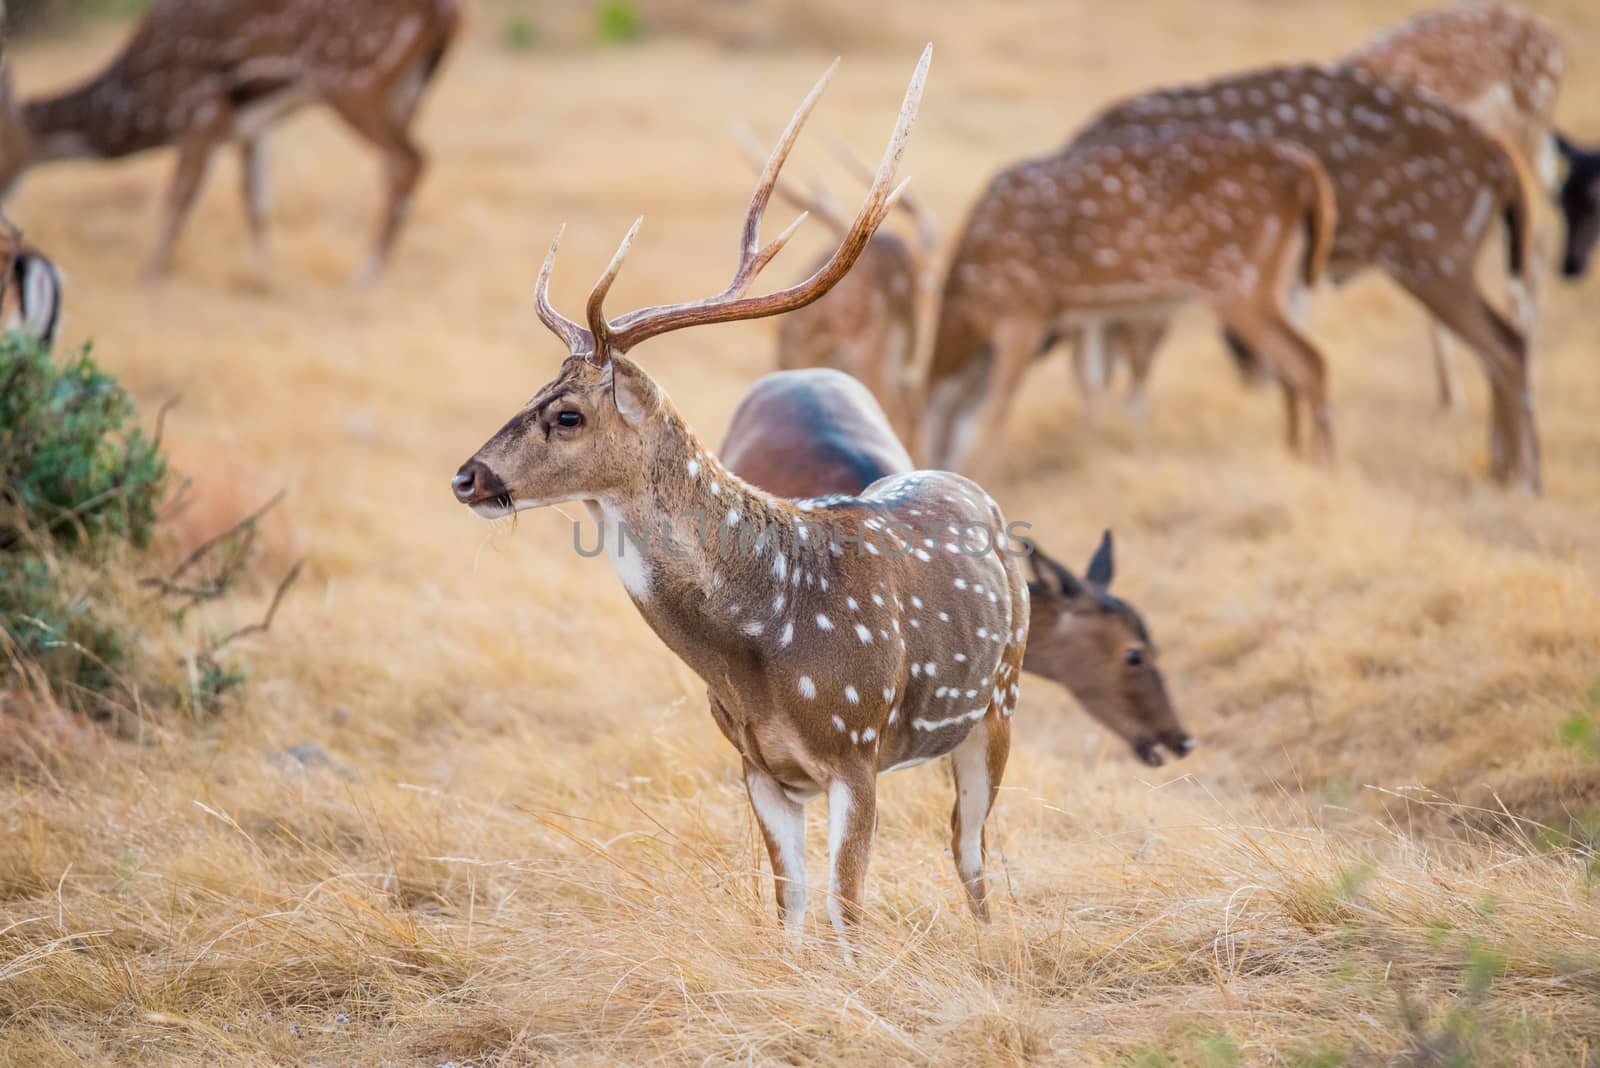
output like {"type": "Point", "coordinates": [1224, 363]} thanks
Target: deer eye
{"type": "Point", "coordinates": [1134, 657]}
{"type": "Point", "coordinates": [569, 419]}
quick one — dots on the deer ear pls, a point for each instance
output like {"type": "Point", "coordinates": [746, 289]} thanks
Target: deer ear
{"type": "Point", "coordinates": [1053, 579]}
{"type": "Point", "coordinates": [637, 397]}
{"type": "Point", "coordinates": [1102, 566]}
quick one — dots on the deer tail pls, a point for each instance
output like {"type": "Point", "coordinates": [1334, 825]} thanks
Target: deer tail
{"type": "Point", "coordinates": [1321, 221]}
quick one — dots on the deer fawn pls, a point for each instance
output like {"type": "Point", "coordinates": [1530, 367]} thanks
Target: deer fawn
{"type": "Point", "coordinates": [819, 432]}
{"type": "Point", "coordinates": [867, 325]}
{"type": "Point", "coordinates": [197, 75]}
{"type": "Point", "coordinates": [1119, 231]}
{"type": "Point", "coordinates": [1418, 186]}
{"type": "Point", "coordinates": [826, 664]}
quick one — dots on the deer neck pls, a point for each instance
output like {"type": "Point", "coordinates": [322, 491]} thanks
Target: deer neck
{"type": "Point", "coordinates": [709, 560]}
{"type": "Point", "coordinates": [101, 119]}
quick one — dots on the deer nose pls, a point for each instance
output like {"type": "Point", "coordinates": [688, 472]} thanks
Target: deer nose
{"type": "Point", "coordinates": [467, 481]}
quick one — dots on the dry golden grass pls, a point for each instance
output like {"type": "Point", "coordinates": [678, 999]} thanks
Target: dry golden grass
{"type": "Point", "coordinates": [532, 844]}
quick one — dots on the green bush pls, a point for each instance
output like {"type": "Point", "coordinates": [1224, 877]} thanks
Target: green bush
{"type": "Point", "coordinates": [78, 507]}
{"type": "Point", "coordinates": [74, 472]}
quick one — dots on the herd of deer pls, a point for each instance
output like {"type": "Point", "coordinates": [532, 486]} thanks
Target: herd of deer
{"type": "Point", "coordinates": [823, 586]}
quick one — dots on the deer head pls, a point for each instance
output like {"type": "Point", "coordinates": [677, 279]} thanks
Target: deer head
{"type": "Point", "coordinates": [1099, 647]}
{"type": "Point", "coordinates": [1580, 205]}
{"type": "Point", "coordinates": [588, 434]}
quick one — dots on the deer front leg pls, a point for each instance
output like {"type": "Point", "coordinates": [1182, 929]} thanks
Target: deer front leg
{"type": "Point", "coordinates": [253, 188]}
{"type": "Point", "coordinates": [852, 818]}
{"type": "Point", "coordinates": [978, 763]}
{"type": "Point", "coordinates": [369, 116]}
{"type": "Point", "coordinates": [783, 825]}
{"type": "Point", "coordinates": [194, 154]}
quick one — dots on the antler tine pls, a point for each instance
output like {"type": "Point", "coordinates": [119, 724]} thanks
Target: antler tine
{"type": "Point", "coordinates": [813, 203]}
{"type": "Point", "coordinates": [927, 226]}
{"type": "Point", "coordinates": [598, 327]}
{"type": "Point", "coordinates": [580, 342]}
{"type": "Point", "coordinates": [727, 306]}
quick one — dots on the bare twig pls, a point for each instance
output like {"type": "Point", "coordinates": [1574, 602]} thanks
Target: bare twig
{"type": "Point", "coordinates": [272, 610]}
{"type": "Point", "coordinates": [161, 418]}
{"type": "Point", "coordinates": [206, 546]}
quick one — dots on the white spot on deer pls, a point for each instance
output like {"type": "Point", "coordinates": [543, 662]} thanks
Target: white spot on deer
{"type": "Point", "coordinates": [694, 468]}
{"type": "Point", "coordinates": [838, 724]}
{"type": "Point", "coordinates": [941, 691]}
{"type": "Point", "coordinates": [787, 636]}
{"type": "Point", "coordinates": [716, 488]}
{"type": "Point", "coordinates": [888, 693]}
{"type": "Point", "coordinates": [983, 632]}
{"type": "Point", "coordinates": [851, 695]}
{"type": "Point", "coordinates": [778, 602]}
{"type": "Point", "coordinates": [877, 599]}
{"type": "Point", "coordinates": [807, 688]}
{"type": "Point", "coordinates": [733, 517]}
{"type": "Point", "coordinates": [922, 554]}
{"type": "Point", "coordinates": [754, 627]}
{"type": "Point", "coordinates": [931, 668]}
{"type": "Point", "coordinates": [868, 734]}
{"type": "Point", "coordinates": [944, 617]}
{"type": "Point", "coordinates": [961, 658]}
{"type": "Point", "coordinates": [823, 622]}
{"type": "Point", "coordinates": [864, 634]}
{"type": "Point", "coordinates": [916, 670]}
{"type": "Point", "coordinates": [894, 716]}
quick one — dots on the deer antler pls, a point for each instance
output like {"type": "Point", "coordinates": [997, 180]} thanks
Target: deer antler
{"type": "Point", "coordinates": [815, 202]}
{"type": "Point", "coordinates": [927, 226]}
{"type": "Point", "coordinates": [604, 337]}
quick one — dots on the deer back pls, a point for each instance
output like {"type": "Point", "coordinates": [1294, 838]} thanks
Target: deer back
{"type": "Point", "coordinates": [1417, 183]}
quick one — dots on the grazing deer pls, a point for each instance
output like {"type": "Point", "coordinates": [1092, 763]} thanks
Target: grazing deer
{"type": "Point", "coordinates": [1503, 66]}
{"type": "Point", "coordinates": [819, 432]}
{"type": "Point", "coordinates": [1122, 231]}
{"type": "Point", "coordinates": [839, 638]}
{"type": "Point", "coordinates": [1418, 187]}
{"type": "Point", "coordinates": [198, 75]}
{"type": "Point", "coordinates": [866, 325]}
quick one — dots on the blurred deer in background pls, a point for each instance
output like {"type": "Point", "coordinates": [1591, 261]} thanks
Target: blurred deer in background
{"type": "Point", "coordinates": [197, 75]}
{"type": "Point", "coordinates": [1502, 67]}
{"type": "Point", "coordinates": [1419, 187]}
{"type": "Point", "coordinates": [819, 432]}
{"type": "Point", "coordinates": [868, 324]}
{"type": "Point", "coordinates": [825, 668]}
{"type": "Point", "coordinates": [1116, 232]}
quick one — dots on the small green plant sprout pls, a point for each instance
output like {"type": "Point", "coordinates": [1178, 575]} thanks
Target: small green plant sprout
{"type": "Point", "coordinates": [519, 32]}
{"type": "Point", "coordinates": [618, 22]}
{"type": "Point", "coordinates": [1581, 730]}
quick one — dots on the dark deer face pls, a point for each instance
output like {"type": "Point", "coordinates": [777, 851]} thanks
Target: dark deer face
{"type": "Point", "coordinates": [1580, 206]}
{"type": "Point", "coordinates": [579, 438]}
{"type": "Point", "coordinates": [1097, 646]}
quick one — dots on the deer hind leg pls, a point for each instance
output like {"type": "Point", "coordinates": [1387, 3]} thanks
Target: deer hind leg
{"type": "Point", "coordinates": [1503, 351]}
{"type": "Point", "coordinates": [1298, 365]}
{"type": "Point", "coordinates": [852, 818]}
{"type": "Point", "coordinates": [978, 764]}
{"type": "Point", "coordinates": [194, 155]}
{"type": "Point", "coordinates": [783, 826]}
{"type": "Point", "coordinates": [370, 115]}
{"type": "Point", "coordinates": [253, 188]}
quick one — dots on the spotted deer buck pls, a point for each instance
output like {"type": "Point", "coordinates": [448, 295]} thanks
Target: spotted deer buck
{"type": "Point", "coordinates": [820, 432]}
{"type": "Point", "coordinates": [199, 75]}
{"type": "Point", "coordinates": [868, 324]}
{"type": "Point", "coordinates": [1419, 186]}
{"type": "Point", "coordinates": [1503, 67]}
{"type": "Point", "coordinates": [1120, 232]}
{"type": "Point", "coordinates": [838, 638]}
